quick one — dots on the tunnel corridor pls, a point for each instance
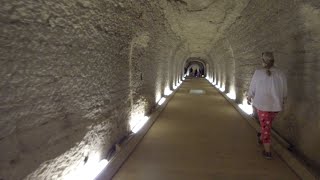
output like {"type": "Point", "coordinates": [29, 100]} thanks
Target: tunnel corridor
{"type": "Point", "coordinates": [214, 142]}
{"type": "Point", "coordinates": [81, 79]}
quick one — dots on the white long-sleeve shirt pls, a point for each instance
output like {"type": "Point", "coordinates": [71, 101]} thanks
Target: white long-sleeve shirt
{"type": "Point", "coordinates": [268, 92]}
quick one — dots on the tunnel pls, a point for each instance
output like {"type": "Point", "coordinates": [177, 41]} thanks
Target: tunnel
{"type": "Point", "coordinates": [193, 64]}
{"type": "Point", "coordinates": [77, 76]}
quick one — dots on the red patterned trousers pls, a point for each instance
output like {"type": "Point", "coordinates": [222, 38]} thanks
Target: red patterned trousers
{"type": "Point", "coordinates": [266, 119]}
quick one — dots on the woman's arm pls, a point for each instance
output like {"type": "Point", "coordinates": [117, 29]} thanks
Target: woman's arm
{"type": "Point", "coordinates": [252, 88]}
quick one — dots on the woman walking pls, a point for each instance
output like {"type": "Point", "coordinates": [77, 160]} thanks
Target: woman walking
{"type": "Point", "coordinates": [268, 91]}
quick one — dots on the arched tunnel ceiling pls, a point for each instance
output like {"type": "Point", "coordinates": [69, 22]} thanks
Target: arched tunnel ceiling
{"type": "Point", "coordinates": [202, 22]}
{"type": "Point", "coordinates": [195, 60]}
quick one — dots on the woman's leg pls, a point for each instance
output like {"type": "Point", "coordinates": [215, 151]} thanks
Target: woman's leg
{"type": "Point", "coordinates": [266, 119]}
{"type": "Point", "coordinates": [265, 134]}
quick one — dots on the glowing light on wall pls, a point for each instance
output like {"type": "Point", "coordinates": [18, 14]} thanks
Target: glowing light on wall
{"type": "Point", "coordinates": [232, 95]}
{"type": "Point", "coordinates": [161, 101]}
{"type": "Point", "coordinates": [217, 85]}
{"type": "Point", "coordinates": [158, 97]}
{"type": "Point", "coordinates": [167, 91]}
{"type": "Point", "coordinates": [212, 81]}
{"type": "Point", "coordinates": [89, 170]}
{"type": "Point", "coordinates": [245, 107]}
{"type": "Point", "coordinates": [102, 164]}
{"type": "Point", "coordinates": [178, 85]}
{"type": "Point", "coordinates": [175, 87]}
{"type": "Point", "coordinates": [135, 119]}
{"type": "Point", "coordinates": [140, 123]}
{"type": "Point", "coordinates": [222, 88]}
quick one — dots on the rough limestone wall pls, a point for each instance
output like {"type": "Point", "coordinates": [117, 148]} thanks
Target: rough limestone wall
{"type": "Point", "coordinates": [180, 56]}
{"type": "Point", "coordinates": [151, 64]}
{"type": "Point", "coordinates": [209, 69]}
{"type": "Point", "coordinates": [291, 29]}
{"type": "Point", "coordinates": [224, 64]}
{"type": "Point", "coordinates": [72, 73]}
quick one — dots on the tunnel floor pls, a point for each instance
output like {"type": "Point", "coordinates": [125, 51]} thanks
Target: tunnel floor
{"type": "Point", "coordinates": [201, 137]}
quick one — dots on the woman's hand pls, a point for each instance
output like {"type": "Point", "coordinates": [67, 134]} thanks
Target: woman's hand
{"type": "Point", "coordinates": [249, 100]}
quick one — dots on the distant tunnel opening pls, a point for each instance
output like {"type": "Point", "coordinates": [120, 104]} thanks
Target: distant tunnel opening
{"type": "Point", "coordinates": [195, 68]}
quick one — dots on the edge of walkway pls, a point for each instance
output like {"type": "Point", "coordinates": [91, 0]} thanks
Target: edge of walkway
{"type": "Point", "coordinates": [127, 147]}
{"type": "Point", "coordinates": [279, 145]}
